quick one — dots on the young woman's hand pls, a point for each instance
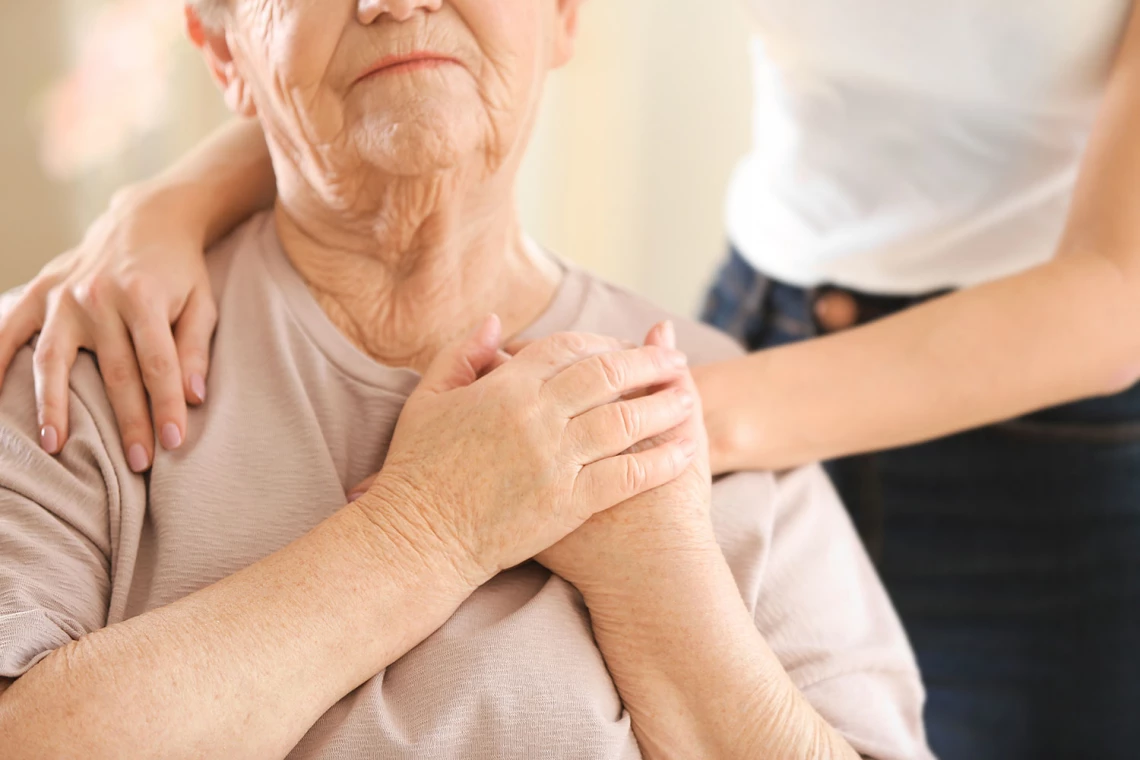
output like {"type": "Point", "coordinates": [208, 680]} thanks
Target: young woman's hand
{"type": "Point", "coordinates": [136, 293]}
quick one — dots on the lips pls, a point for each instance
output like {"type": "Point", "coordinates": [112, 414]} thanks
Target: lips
{"type": "Point", "coordinates": [407, 62]}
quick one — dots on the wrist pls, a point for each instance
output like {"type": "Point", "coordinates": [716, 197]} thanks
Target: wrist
{"type": "Point", "coordinates": [185, 208]}
{"type": "Point", "coordinates": [733, 439]}
{"type": "Point", "coordinates": [745, 418]}
{"type": "Point", "coordinates": [649, 565]}
{"type": "Point", "coordinates": [400, 518]}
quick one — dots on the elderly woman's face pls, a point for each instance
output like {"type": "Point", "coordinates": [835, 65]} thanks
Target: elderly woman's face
{"type": "Point", "coordinates": [407, 87]}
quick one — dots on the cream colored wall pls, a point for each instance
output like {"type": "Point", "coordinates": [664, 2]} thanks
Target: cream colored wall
{"type": "Point", "coordinates": [626, 173]}
{"type": "Point", "coordinates": [34, 212]}
{"type": "Point", "coordinates": [639, 135]}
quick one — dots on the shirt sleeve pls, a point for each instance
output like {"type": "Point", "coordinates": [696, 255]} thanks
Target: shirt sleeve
{"type": "Point", "coordinates": [826, 615]}
{"type": "Point", "coordinates": [55, 534]}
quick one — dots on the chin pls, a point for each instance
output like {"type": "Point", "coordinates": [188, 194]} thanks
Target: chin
{"type": "Point", "coordinates": [421, 138]}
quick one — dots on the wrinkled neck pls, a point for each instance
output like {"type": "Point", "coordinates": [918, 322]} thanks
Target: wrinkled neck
{"type": "Point", "coordinates": [415, 269]}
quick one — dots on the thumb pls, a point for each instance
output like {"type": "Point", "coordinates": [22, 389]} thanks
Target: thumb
{"type": "Point", "coordinates": [461, 363]}
{"type": "Point", "coordinates": [662, 335]}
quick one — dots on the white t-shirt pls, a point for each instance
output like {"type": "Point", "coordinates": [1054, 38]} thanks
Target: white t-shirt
{"type": "Point", "coordinates": [905, 146]}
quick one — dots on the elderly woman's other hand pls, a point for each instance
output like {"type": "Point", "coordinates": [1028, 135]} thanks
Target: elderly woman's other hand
{"type": "Point", "coordinates": [671, 519]}
{"type": "Point", "coordinates": [501, 467]}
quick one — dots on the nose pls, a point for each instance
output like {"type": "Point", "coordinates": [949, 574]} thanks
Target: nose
{"type": "Point", "coordinates": [368, 11]}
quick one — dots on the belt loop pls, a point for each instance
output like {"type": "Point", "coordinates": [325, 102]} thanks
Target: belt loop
{"type": "Point", "coordinates": [752, 307]}
{"type": "Point", "coordinates": [812, 296]}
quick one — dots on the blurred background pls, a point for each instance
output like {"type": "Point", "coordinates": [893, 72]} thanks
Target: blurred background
{"type": "Point", "coordinates": [626, 175]}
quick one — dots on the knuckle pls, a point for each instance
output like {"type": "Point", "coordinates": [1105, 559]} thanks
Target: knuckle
{"type": "Point", "coordinates": [64, 299]}
{"type": "Point", "coordinates": [134, 428]}
{"type": "Point", "coordinates": [51, 406]}
{"type": "Point", "coordinates": [193, 357]}
{"type": "Point", "coordinates": [572, 343]}
{"type": "Point", "coordinates": [92, 294]}
{"type": "Point", "coordinates": [46, 355]}
{"type": "Point", "coordinates": [41, 287]}
{"type": "Point", "coordinates": [613, 371]}
{"type": "Point", "coordinates": [157, 366]}
{"type": "Point", "coordinates": [630, 420]}
{"type": "Point", "coordinates": [117, 374]}
{"type": "Point", "coordinates": [138, 288]}
{"type": "Point", "coordinates": [634, 476]}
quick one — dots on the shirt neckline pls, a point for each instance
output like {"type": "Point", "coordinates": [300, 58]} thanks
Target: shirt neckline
{"type": "Point", "coordinates": [560, 314]}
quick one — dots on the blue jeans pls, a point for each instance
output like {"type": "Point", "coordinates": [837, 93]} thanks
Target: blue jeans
{"type": "Point", "coordinates": [1012, 554]}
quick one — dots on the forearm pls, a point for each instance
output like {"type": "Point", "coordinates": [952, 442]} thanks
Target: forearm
{"type": "Point", "coordinates": [215, 187]}
{"type": "Point", "coordinates": [694, 673]}
{"type": "Point", "coordinates": [1061, 332]}
{"type": "Point", "coordinates": [245, 667]}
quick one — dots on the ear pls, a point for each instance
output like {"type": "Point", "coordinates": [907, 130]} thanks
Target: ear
{"type": "Point", "coordinates": [566, 32]}
{"type": "Point", "coordinates": [212, 42]}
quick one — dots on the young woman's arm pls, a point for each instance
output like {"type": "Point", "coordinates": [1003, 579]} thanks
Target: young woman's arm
{"type": "Point", "coordinates": [227, 179]}
{"type": "Point", "coordinates": [1067, 330]}
{"type": "Point", "coordinates": [140, 270]}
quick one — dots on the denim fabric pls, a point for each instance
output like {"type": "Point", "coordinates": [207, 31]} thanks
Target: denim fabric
{"type": "Point", "coordinates": [1012, 554]}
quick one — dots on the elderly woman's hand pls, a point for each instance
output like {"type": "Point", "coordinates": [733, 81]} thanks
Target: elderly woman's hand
{"type": "Point", "coordinates": [136, 273]}
{"type": "Point", "coordinates": [671, 519]}
{"type": "Point", "coordinates": [500, 467]}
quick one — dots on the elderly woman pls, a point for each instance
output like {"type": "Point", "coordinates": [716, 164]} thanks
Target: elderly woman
{"type": "Point", "coordinates": [230, 604]}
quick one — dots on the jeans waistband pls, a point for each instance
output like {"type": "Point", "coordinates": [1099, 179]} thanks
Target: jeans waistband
{"type": "Point", "coordinates": [804, 303]}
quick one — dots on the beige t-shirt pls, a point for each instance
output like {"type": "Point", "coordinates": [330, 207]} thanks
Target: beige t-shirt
{"type": "Point", "coordinates": [295, 415]}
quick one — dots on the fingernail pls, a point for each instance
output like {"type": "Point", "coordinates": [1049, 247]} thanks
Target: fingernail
{"type": "Point", "coordinates": [171, 436]}
{"type": "Point", "coordinates": [49, 439]}
{"type": "Point", "coordinates": [137, 458]}
{"type": "Point", "coordinates": [355, 495]}
{"type": "Point", "coordinates": [669, 334]}
{"type": "Point", "coordinates": [198, 388]}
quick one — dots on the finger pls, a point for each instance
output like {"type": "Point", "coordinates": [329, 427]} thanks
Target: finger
{"type": "Point", "coordinates": [501, 358]}
{"type": "Point", "coordinates": [461, 363]}
{"type": "Point", "coordinates": [17, 327]}
{"type": "Point", "coordinates": [125, 390]}
{"type": "Point", "coordinates": [361, 488]}
{"type": "Point", "coordinates": [192, 336]}
{"type": "Point", "coordinates": [609, 482]}
{"type": "Point", "coordinates": [517, 346]}
{"type": "Point", "coordinates": [514, 347]}
{"type": "Point", "coordinates": [611, 429]}
{"type": "Point", "coordinates": [158, 362]}
{"type": "Point", "coordinates": [555, 353]}
{"type": "Point", "coordinates": [52, 361]}
{"type": "Point", "coordinates": [604, 378]}
{"type": "Point", "coordinates": [662, 334]}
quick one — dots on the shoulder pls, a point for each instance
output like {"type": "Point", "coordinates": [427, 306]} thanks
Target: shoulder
{"type": "Point", "coordinates": [242, 245]}
{"type": "Point", "coordinates": [91, 458]}
{"type": "Point", "coordinates": [609, 309]}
